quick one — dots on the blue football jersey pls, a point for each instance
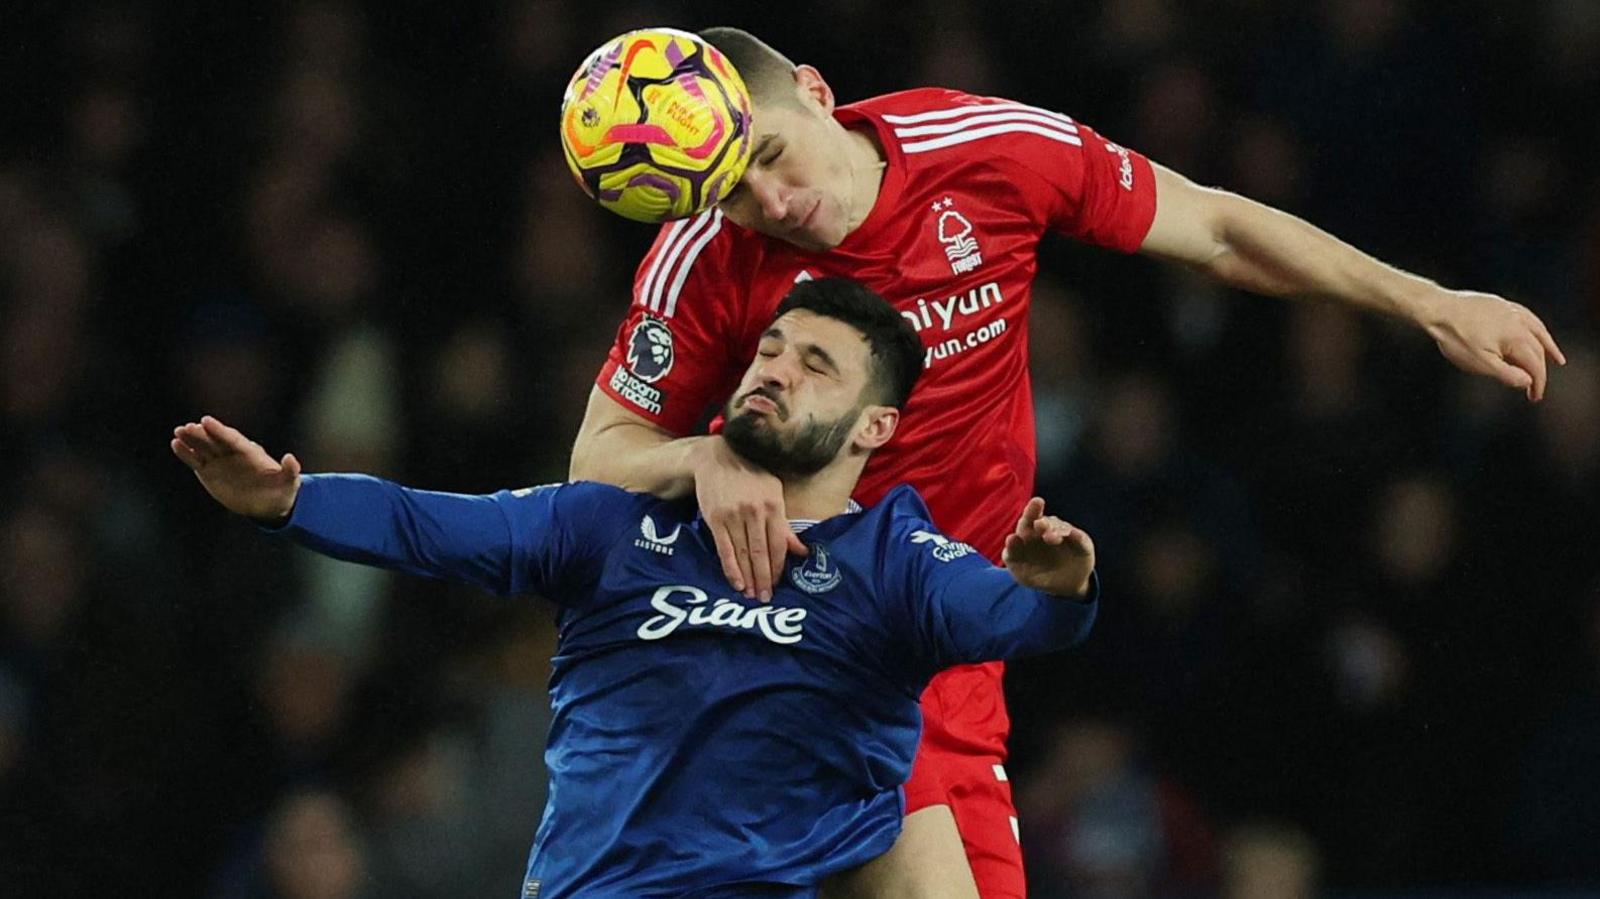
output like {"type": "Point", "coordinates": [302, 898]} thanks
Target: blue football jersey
{"type": "Point", "coordinates": [703, 744]}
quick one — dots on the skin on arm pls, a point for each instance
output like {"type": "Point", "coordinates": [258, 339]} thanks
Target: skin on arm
{"type": "Point", "coordinates": [742, 504]}
{"type": "Point", "coordinates": [927, 861]}
{"type": "Point", "coordinates": [1254, 247]}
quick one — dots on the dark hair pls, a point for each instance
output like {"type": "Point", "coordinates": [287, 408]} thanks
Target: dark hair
{"type": "Point", "coordinates": [897, 352]}
{"type": "Point", "coordinates": [767, 73]}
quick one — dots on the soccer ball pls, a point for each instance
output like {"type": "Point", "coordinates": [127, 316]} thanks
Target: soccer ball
{"type": "Point", "coordinates": [655, 125]}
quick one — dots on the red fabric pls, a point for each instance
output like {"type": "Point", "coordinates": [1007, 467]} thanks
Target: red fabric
{"type": "Point", "coordinates": [969, 783]}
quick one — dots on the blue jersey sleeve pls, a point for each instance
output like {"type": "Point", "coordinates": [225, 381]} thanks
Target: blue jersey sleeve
{"type": "Point", "coordinates": [961, 608]}
{"type": "Point", "coordinates": [550, 541]}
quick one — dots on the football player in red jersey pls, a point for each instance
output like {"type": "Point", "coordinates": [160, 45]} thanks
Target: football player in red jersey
{"type": "Point", "coordinates": [937, 200]}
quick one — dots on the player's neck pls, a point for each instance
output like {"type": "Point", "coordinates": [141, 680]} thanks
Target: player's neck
{"type": "Point", "coordinates": [824, 494]}
{"type": "Point", "coordinates": [867, 166]}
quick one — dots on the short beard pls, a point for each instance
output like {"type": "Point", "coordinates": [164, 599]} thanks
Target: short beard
{"type": "Point", "coordinates": [806, 453]}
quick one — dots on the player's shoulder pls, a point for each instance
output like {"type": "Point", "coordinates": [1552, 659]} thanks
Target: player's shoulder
{"type": "Point", "coordinates": [908, 531]}
{"type": "Point", "coordinates": [592, 498]}
{"type": "Point", "coordinates": [708, 237]}
{"type": "Point", "coordinates": [691, 253]}
{"type": "Point", "coordinates": [900, 511]}
{"type": "Point", "coordinates": [940, 125]}
{"type": "Point", "coordinates": [918, 100]}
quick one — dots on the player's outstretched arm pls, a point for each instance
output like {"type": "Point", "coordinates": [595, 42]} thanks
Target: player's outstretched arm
{"type": "Point", "coordinates": [965, 609]}
{"type": "Point", "coordinates": [742, 504]}
{"type": "Point", "coordinates": [1047, 554]}
{"type": "Point", "coordinates": [236, 471]}
{"type": "Point", "coordinates": [486, 541]}
{"type": "Point", "coordinates": [1254, 247]}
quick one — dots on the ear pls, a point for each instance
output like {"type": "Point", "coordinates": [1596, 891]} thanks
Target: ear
{"type": "Point", "coordinates": [811, 88]}
{"type": "Point", "coordinates": [876, 425]}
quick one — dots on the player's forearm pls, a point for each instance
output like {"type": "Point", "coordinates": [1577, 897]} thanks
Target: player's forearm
{"type": "Point", "coordinates": [638, 458]}
{"type": "Point", "coordinates": [1267, 251]}
{"type": "Point", "coordinates": [367, 520]}
{"type": "Point", "coordinates": [998, 618]}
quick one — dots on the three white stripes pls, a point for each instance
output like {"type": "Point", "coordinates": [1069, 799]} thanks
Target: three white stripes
{"type": "Point", "coordinates": [948, 127]}
{"type": "Point", "coordinates": [685, 239]}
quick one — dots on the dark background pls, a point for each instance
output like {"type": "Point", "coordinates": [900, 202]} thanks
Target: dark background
{"type": "Point", "coordinates": [1352, 629]}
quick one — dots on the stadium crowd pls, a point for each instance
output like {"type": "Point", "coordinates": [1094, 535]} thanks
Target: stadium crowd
{"type": "Point", "coordinates": [1351, 633]}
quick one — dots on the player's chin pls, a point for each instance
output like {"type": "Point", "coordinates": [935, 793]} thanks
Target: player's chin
{"type": "Point", "coordinates": [755, 421]}
{"type": "Point", "coordinates": [820, 239]}
{"type": "Point", "coordinates": [814, 237]}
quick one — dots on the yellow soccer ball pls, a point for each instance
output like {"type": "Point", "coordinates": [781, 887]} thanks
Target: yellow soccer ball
{"type": "Point", "coordinates": [655, 125]}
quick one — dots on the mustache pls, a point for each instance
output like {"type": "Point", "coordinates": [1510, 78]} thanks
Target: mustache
{"type": "Point", "coordinates": [770, 396]}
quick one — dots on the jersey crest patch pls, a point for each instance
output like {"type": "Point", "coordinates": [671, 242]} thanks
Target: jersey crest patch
{"type": "Point", "coordinates": [818, 574]}
{"type": "Point", "coordinates": [650, 350]}
{"type": "Point", "coordinates": [954, 230]}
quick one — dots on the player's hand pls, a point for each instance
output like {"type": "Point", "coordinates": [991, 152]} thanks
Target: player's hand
{"type": "Point", "coordinates": [1487, 335]}
{"type": "Point", "coordinates": [1048, 554]}
{"type": "Point", "coordinates": [743, 505]}
{"type": "Point", "coordinates": [236, 471]}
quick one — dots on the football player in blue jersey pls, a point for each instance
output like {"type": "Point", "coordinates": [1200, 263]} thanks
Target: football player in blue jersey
{"type": "Point", "coordinates": [703, 743]}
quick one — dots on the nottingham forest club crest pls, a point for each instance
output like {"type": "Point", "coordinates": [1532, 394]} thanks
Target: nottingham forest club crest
{"type": "Point", "coordinates": [954, 230]}
{"type": "Point", "coordinates": [650, 350]}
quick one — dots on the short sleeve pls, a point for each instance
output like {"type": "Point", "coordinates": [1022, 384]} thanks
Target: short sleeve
{"type": "Point", "coordinates": [674, 354]}
{"type": "Point", "coordinates": [1078, 182]}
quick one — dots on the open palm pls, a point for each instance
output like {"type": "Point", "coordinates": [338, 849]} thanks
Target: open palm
{"type": "Point", "coordinates": [236, 471]}
{"type": "Point", "coordinates": [1049, 554]}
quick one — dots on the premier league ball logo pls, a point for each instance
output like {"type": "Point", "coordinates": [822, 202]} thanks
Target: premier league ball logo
{"type": "Point", "coordinates": [650, 350]}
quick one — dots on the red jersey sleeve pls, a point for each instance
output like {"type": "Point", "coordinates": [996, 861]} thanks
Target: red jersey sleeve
{"type": "Point", "coordinates": [673, 356]}
{"type": "Point", "coordinates": [1080, 183]}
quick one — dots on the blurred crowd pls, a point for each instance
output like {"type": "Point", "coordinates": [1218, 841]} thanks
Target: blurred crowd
{"type": "Point", "coordinates": [1351, 640]}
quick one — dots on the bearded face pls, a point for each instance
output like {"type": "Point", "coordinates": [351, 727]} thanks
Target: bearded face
{"type": "Point", "coordinates": [758, 427]}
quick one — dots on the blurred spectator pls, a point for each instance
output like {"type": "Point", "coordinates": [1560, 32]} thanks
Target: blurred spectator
{"type": "Point", "coordinates": [1569, 425]}
{"type": "Point", "coordinates": [1175, 118]}
{"type": "Point", "coordinates": [303, 687]}
{"type": "Point", "coordinates": [1138, 471]}
{"type": "Point", "coordinates": [425, 823]}
{"type": "Point", "coordinates": [1268, 861]}
{"type": "Point", "coordinates": [1063, 369]}
{"type": "Point", "coordinates": [1329, 441]}
{"type": "Point", "coordinates": [1527, 236]}
{"type": "Point", "coordinates": [352, 422]}
{"type": "Point", "coordinates": [560, 253]}
{"type": "Point", "coordinates": [228, 367]}
{"type": "Point", "coordinates": [310, 848]}
{"type": "Point", "coordinates": [1100, 825]}
{"type": "Point", "coordinates": [42, 590]}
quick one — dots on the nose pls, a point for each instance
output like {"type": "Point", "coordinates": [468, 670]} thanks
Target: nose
{"type": "Point", "coordinates": [779, 372]}
{"type": "Point", "coordinates": [771, 195]}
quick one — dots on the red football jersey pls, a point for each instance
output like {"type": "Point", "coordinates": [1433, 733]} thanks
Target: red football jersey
{"type": "Point", "coordinates": [972, 184]}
